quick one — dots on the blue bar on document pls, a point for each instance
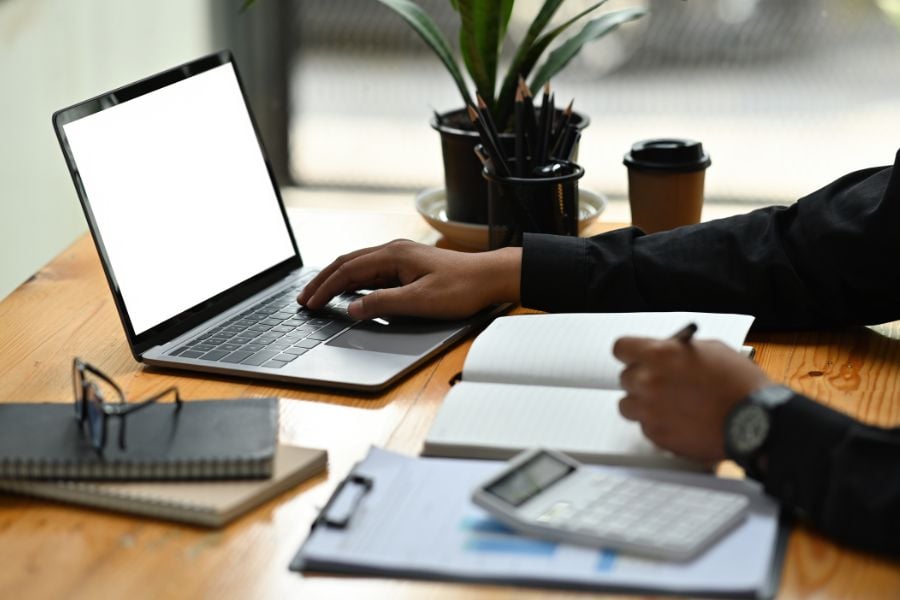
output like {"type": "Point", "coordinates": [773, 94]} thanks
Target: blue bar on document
{"type": "Point", "coordinates": [607, 560]}
{"type": "Point", "coordinates": [511, 545]}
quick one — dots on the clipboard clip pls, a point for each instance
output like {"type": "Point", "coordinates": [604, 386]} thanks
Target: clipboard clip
{"type": "Point", "coordinates": [344, 502]}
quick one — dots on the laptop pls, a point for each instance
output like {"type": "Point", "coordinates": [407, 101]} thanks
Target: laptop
{"type": "Point", "coordinates": [196, 244]}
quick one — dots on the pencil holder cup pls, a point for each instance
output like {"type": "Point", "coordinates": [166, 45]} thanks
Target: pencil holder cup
{"type": "Point", "coordinates": [545, 203]}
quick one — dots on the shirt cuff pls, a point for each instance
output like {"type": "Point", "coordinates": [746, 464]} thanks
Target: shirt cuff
{"type": "Point", "coordinates": [553, 272]}
{"type": "Point", "coordinates": [799, 451]}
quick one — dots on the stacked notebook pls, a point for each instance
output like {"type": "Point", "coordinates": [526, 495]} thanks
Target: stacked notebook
{"type": "Point", "coordinates": [222, 452]}
{"type": "Point", "coordinates": [207, 503]}
{"type": "Point", "coordinates": [211, 439]}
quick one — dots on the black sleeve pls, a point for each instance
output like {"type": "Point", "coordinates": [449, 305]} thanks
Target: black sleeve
{"type": "Point", "coordinates": [840, 475]}
{"type": "Point", "coordinates": [830, 259]}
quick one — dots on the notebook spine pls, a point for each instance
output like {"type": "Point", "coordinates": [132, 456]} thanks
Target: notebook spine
{"type": "Point", "coordinates": [225, 468]}
{"type": "Point", "coordinates": [84, 494]}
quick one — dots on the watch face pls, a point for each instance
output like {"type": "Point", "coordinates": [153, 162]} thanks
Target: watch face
{"type": "Point", "coordinates": [748, 429]}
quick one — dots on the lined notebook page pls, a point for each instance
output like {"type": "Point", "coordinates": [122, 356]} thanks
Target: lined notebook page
{"type": "Point", "coordinates": [489, 420]}
{"type": "Point", "coordinates": [576, 349]}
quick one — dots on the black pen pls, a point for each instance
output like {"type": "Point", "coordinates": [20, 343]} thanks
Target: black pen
{"type": "Point", "coordinates": [685, 335]}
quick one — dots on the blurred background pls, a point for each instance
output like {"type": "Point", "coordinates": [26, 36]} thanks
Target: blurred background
{"type": "Point", "coordinates": [786, 95]}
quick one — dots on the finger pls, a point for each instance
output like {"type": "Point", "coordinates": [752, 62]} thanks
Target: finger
{"type": "Point", "coordinates": [375, 284]}
{"type": "Point", "coordinates": [630, 408]}
{"type": "Point", "coordinates": [363, 271]}
{"type": "Point", "coordinates": [628, 378]}
{"type": "Point", "coordinates": [630, 350]}
{"type": "Point", "coordinates": [655, 433]}
{"type": "Point", "coordinates": [310, 289]}
{"type": "Point", "coordinates": [404, 300]}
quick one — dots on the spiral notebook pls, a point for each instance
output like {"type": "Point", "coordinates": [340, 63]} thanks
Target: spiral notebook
{"type": "Point", "coordinates": [207, 503]}
{"type": "Point", "coordinates": [205, 439]}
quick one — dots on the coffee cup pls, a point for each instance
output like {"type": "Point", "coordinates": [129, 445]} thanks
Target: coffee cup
{"type": "Point", "coordinates": [665, 183]}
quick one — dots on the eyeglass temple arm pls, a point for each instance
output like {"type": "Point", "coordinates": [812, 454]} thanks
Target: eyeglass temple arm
{"type": "Point", "coordinates": [130, 408]}
{"type": "Point", "coordinates": [135, 406]}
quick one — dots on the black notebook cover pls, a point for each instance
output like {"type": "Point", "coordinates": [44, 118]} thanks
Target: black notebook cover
{"type": "Point", "coordinates": [206, 439]}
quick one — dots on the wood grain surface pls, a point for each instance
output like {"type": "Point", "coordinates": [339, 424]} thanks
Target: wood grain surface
{"type": "Point", "coordinates": [50, 550]}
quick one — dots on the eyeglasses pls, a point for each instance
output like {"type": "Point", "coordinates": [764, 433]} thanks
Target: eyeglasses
{"type": "Point", "coordinates": [92, 387]}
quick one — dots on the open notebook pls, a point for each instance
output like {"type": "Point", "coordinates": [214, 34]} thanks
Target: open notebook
{"type": "Point", "coordinates": [552, 381]}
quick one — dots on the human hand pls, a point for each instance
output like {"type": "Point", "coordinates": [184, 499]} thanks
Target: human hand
{"type": "Point", "coordinates": [417, 280]}
{"type": "Point", "coordinates": [681, 392]}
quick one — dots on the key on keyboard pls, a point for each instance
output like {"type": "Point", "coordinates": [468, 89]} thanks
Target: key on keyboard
{"type": "Point", "coordinates": [271, 333]}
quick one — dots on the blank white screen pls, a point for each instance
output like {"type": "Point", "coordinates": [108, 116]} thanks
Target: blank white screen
{"type": "Point", "coordinates": [180, 194]}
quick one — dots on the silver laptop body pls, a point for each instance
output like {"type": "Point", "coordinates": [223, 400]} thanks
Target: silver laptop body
{"type": "Point", "coordinates": [196, 244]}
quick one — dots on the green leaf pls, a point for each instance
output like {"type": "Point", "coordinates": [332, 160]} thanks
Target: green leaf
{"type": "Point", "coordinates": [529, 52]}
{"type": "Point", "coordinates": [508, 89]}
{"type": "Point", "coordinates": [506, 9]}
{"type": "Point", "coordinates": [593, 30]}
{"type": "Point", "coordinates": [479, 41]}
{"type": "Point", "coordinates": [429, 32]}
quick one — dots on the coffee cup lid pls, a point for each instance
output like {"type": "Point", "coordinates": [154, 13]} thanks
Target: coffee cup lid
{"type": "Point", "coordinates": [667, 154]}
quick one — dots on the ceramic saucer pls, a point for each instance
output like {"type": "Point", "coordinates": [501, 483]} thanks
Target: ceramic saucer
{"type": "Point", "coordinates": [432, 205]}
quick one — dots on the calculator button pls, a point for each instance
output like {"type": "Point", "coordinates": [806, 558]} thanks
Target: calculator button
{"type": "Point", "coordinates": [557, 513]}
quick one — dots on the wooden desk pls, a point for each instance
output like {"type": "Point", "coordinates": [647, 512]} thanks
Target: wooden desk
{"type": "Point", "coordinates": [52, 550]}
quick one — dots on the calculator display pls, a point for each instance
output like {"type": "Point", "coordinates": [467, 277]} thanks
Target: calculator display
{"type": "Point", "coordinates": [528, 480]}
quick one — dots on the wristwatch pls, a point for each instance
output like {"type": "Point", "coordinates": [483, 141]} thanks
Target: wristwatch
{"type": "Point", "coordinates": [748, 425]}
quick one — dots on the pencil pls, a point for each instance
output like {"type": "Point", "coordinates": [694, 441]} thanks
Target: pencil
{"type": "Point", "coordinates": [489, 120]}
{"type": "Point", "coordinates": [548, 133]}
{"type": "Point", "coordinates": [489, 143]}
{"type": "Point", "coordinates": [521, 167]}
{"type": "Point", "coordinates": [530, 119]}
{"type": "Point", "coordinates": [684, 335]}
{"type": "Point", "coordinates": [560, 131]}
{"type": "Point", "coordinates": [569, 152]}
{"type": "Point", "coordinates": [484, 158]}
{"type": "Point", "coordinates": [543, 128]}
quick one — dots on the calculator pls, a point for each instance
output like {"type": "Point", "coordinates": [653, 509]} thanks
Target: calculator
{"type": "Point", "coordinates": [548, 494]}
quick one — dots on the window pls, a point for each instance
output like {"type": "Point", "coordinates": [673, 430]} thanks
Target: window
{"type": "Point", "coordinates": [785, 96]}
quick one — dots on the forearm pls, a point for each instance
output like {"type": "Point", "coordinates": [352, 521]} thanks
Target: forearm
{"type": "Point", "coordinates": [503, 270]}
{"type": "Point", "coordinates": [841, 476]}
{"type": "Point", "coordinates": [827, 260]}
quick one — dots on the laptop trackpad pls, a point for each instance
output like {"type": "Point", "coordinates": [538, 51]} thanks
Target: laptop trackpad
{"type": "Point", "coordinates": [412, 338]}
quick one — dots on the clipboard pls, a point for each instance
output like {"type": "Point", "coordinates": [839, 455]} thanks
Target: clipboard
{"type": "Point", "coordinates": [406, 517]}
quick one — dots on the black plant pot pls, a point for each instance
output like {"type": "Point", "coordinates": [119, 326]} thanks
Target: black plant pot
{"type": "Point", "coordinates": [467, 190]}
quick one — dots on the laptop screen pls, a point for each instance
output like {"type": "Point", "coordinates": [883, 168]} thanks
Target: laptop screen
{"type": "Point", "coordinates": [180, 194]}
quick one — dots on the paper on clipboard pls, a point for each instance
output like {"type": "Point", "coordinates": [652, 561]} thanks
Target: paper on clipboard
{"type": "Point", "coordinates": [417, 521]}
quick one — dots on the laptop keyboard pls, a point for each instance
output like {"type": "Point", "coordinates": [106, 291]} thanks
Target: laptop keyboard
{"type": "Point", "coordinates": [272, 333]}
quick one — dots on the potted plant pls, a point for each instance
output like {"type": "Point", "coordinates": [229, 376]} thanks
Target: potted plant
{"type": "Point", "coordinates": [482, 35]}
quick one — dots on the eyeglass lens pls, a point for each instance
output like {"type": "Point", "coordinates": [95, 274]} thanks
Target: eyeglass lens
{"type": "Point", "coordinates": [91, 392]}
{"type": "Point", "coordinates": [94, 424]}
